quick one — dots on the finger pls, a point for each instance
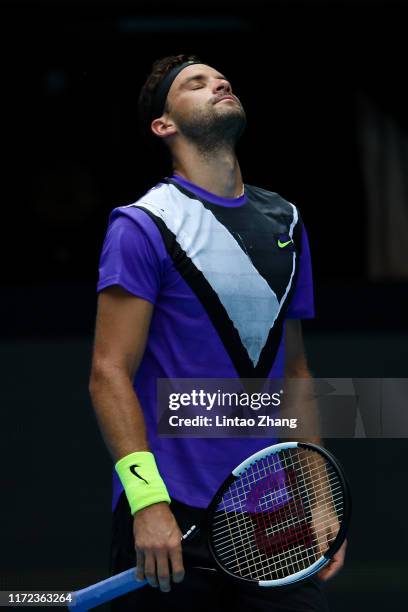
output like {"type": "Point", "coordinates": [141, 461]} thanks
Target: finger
{"type": "Point", "coordinates": [320, 536]}
{"type": "Point", "coordinates": [140, 559]}
{"type": "Point", "coordinates": [150, 569]}
{"type": "Point", "coordinates": [177, 568]}
{"type": "Point", "coordinates": [324, 574]}
{"type": "Point", "coordinates": [162, 562]}
{"type": "Point", "coordinates": [322, 544]}
{"type": "Point", "coordinates": [328, 575]}
{"type": "Point", "coordinates": [330, 570]}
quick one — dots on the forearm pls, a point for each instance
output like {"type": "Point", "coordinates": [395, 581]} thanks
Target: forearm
{"type": "Point", "coordinates": [118, 412]}
{"type": "Point", "coordinates": [300, 403]}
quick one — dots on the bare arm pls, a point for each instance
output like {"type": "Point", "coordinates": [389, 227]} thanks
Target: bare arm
{"type": "Point", "coordinates": [301, 403]}
{"type": "Point", "coordinates": [122, 326]}
{"type": "Point", "coordinates": [303, 406]}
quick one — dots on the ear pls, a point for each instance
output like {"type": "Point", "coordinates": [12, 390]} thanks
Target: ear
{"type": "Point", "coordinates": [163, 127]}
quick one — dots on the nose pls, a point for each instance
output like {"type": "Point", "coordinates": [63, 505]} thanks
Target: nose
{"type": "Point", "coordinates": [223, 85]}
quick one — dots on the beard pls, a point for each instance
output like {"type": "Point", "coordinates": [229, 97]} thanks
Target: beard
{"type": "Point", "coordinates": [213, 129]}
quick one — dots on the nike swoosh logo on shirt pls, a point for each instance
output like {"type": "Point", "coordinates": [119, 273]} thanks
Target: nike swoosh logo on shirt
{"type": "Point", "coordinates": [283, 244]}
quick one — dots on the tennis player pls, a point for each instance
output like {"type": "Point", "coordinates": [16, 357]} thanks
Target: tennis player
{"type": "Point", "coordinates": [204, 276]}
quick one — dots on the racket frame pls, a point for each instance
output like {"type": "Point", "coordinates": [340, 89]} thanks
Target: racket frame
{"type": "Point", "coordinates": [333, 548]}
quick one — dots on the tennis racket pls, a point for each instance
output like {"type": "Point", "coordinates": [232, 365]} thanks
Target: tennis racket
{"type": "Point", "coordinates": [278, 518]}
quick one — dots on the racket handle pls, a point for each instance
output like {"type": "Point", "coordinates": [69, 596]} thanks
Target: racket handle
{"type": "Point", "coordinates": [120, 584]}
{"type": "Point", "coordinates": [105, 590]}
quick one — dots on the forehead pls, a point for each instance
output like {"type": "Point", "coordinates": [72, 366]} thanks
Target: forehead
{"type": "Point", "coordinates": [191, 71]}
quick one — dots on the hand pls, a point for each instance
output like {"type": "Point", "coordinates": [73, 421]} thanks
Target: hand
{"type": "Point", "coordinates": [335, 564]}
{"type": "Point", "coordinates": [326, 536]}
{"type": "Point", "coordinates": [157, 542]}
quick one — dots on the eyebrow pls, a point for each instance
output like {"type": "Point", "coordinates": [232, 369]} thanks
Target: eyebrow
{"type": "Point", "coordinates": [200, 77]}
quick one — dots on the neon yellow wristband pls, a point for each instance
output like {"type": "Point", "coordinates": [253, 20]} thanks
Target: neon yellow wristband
{"type": "Point", "coordinates": [141, 480]}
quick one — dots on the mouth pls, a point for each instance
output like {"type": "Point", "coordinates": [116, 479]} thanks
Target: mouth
{"type": "Point", "coordinates": [225, 98]}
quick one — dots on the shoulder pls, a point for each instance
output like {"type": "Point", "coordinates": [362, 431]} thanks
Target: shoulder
{"type": "Point", "coordinates": [163, 204]}
{"type": "Point", "coordinates": [269, 200]}
{"type": "Point", "coordinates": [135, 229]}
{"type": "Point", "coordinates": [137, 216]}
{"type": "Point", "coordinates": [271, 203]}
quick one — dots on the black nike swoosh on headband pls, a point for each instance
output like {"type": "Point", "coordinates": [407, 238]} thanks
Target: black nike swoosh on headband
{"type": "Point", "coordinates": [132, 469]}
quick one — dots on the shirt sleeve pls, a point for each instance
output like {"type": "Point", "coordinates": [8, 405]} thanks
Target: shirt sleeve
{"type": "Point", "coordinates": [132, 255]}
{"type": "Point", "coordinates": [302, 303]}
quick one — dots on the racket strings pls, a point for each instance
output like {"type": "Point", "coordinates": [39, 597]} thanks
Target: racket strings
{"type": "Point", "coordinates": [225, 547]}
{"type": "Point", "coordinates": [279, 516]}
{"type": "Point", "coordinates": [287, 520]}
{"type": "Point", "coordinates": [243, 543]}
{"type": "Point", "coordinates": [335, 489]}
{"type": "Point", "coordinates": [258, 566]}
{"type": "Point", "coordinates": [334, 500]}
{"type": "Point", "coordinates": [247, 484]}
{"type": "Point", "coordinates": [241, 523]}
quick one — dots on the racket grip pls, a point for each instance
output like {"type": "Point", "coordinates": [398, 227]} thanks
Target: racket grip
{"type": "Point", "coordinates": [101, 592]}
{"type": "Point", "coordinates": [106, 590]}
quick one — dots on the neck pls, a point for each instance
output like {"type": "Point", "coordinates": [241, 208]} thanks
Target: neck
{"type": "Point", "coordinates": [218, 173]}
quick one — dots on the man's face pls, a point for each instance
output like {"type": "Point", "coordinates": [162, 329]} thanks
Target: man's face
{"type": "Point", "coordinates": [204, 109]}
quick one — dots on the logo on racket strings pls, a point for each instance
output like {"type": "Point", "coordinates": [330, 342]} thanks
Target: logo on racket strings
{"type": "Point", "coordinates": [278, 514]}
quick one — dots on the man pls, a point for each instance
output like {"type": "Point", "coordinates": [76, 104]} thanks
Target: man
{"type": "Point", "coordinates": [202, 277]}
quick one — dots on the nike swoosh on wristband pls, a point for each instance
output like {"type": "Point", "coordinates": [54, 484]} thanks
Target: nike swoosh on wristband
{"type": "Point", "coordinates": [133, 471]}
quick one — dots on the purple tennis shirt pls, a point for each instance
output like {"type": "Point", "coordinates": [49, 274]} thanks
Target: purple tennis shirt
{"type": "Point", "coordinates": [223, 275]}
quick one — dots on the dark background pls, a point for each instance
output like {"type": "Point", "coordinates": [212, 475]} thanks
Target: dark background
{"type": "Point", "coordinates": [71, 73]}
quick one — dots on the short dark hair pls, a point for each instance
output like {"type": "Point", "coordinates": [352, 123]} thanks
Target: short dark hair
{"type": "Point", "coordinates": [160, 69]}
